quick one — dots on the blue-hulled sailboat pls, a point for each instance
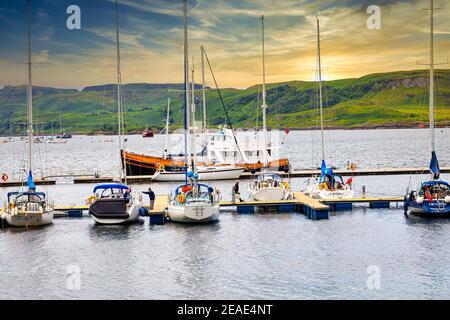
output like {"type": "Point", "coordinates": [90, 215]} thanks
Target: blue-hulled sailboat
{"type": "Point", "coordinates": [433, 197]}
{"type": "Point", "coordinates": [191, 202]}
{"type": "Point", "coordinates": [29, 208]}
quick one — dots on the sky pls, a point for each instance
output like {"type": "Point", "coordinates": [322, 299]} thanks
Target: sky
{"type": "Point", "coordinates": [151, 33]}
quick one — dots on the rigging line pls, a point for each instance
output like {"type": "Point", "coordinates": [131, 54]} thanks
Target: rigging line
{"type": "Point", "coordinates": [223, 105]}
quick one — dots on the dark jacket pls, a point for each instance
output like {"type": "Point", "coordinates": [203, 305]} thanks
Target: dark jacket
{"type": "Point", "coordinates": [151, 194]}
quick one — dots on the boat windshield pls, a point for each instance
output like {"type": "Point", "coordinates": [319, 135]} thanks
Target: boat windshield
{"type": "Point", "coordinates": [269, 177]}
{"type": "Point", "coordinates": [187, 194]}
{"type": "Point", "coordinates": [26, 197]}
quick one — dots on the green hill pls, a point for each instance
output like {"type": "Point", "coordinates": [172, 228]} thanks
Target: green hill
{"type": "Point", "coordinates": [397, 99]}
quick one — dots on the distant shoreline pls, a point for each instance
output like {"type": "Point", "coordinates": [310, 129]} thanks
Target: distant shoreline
{"type": "Point", "coordinates": [380, 127]}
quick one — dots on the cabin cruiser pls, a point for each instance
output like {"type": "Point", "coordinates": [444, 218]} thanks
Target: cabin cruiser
{"type": "Point", "coordinates": [114, 204]}
{"type": "Point", "coordinates": [269, 187]}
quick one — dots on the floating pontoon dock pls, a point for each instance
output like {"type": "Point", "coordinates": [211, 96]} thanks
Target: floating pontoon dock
{"type": "Point", "coordinates": [315, 209]}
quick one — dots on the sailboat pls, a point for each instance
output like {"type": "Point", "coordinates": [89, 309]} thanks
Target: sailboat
{"type": "Point", "coordinates": [29, 208]}
{"type": "Point", "coordinates": [432, 199]}
{"type": "Point", "coordinates": [115, 203]}
{"type": "Point", "coordinates": [205, 172]}
{"type": "Point", "coordinates": [329, 185]}
{"type": "Point", "coordinates": [191, 202]}
{"type": "Point", "coordinates": [267, 185]}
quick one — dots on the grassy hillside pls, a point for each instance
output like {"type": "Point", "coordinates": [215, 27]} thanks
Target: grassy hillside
{"type": "Point", "coordinates": [377, 100]}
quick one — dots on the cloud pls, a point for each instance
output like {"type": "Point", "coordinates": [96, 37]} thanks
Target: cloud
{"type": "Point", "coordinates": [152, 44]}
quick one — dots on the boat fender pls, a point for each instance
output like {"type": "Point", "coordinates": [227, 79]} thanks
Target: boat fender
{"type": "Point", "coordinates": [353, 166]}
{"type": "Point", "coordinates": [181, 198]}
{"type": "Point", "coordinates": [447, 199]}
{"type": "Point", "coordinates": [91, 199]}
{"type": "Point", "coordinates": [143, 212]}
{"type": "Point", "coordinates": [420, 200]}
{"type": "Point", "coordinates": [5, 177]}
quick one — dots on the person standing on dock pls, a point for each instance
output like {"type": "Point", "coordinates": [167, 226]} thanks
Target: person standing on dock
{"type": "Point", "coordinates": [235, 193]}
{"type": "Point", "coordinates": [152, 197]}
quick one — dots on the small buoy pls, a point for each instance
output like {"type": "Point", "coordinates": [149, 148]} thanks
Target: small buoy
{"type": "Point", "coordinates": [5, 177]}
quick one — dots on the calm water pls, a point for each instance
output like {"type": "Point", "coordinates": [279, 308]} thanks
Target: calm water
{"type": "Point", "coordinates": [279, 256]}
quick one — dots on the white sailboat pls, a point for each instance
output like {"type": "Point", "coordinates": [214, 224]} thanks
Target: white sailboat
{"type": "Point", "coordinates": [267, 186]}
{"type": "Point", "coordinates": [30, 208]}
{"type": "Point", "coordinates": [329, 185]}
{"type": "Point", "coordinates": [191, 202]}
{"type": "Point", "coordinates": [115, 203]}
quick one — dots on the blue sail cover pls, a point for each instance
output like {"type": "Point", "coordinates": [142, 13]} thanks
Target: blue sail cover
{"type": "Point", "coordinates": [31, 185]}
{"type": "Point", "coordinates": [434, 165]}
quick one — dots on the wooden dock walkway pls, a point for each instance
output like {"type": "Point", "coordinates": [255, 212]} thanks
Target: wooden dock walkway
{"type": "Point", "coordinates": [10, 183]}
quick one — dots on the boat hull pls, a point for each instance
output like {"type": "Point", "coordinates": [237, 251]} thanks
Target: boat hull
{"type": "Point", "coordinates": [114, 211]}
{"type": "Point", "coordinates": [203, 175]}
{"type": "Point", "coordinates": [268, 194]}
{"type": "Point", "coordinates": [200, 213]}
{"type": "Point", "coordinates": [435, 209]}
{"type": "Point", "coordinates": [30, 219]}
{"type": "Point", "coordinates": [143, 165]}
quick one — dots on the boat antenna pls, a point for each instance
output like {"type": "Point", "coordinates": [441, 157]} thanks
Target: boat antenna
{"type": "Point", "coordinates": [320, 88]}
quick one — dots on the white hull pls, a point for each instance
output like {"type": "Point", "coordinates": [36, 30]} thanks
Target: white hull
{"type": "Point", "coordinates": [191, 213]}
{"type": "Point", "coordinates": [32, 219]}
{"type": "Point", "coordinates": [217, 173]}
{"type": "Point", "coordinates": [268, 194]}
{"type": "Point", "coordinates": [133, 213]}
{"type": "Point", "coordinates": [315, 192]}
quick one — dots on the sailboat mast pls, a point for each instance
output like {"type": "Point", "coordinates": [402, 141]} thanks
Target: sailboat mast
{"type": "Point", "coordinates": [205, 124]}
{"type": "Point", "coordinates": [166, 141]}
{"type": "Point", "coordinates": [320, 88]}
{"type": "Point", "coordinates": [194, 131]}
{"type": "Point", "coordinates": [264, 104]}
{"type": "Point", "coordinates": [187, 155]}
{"type": "Point", "coordinates": [30, 95]}
{"type": "Point", "coordinates": [119, 93]}
{"type": "Point", "coordinates": [432, 136]}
